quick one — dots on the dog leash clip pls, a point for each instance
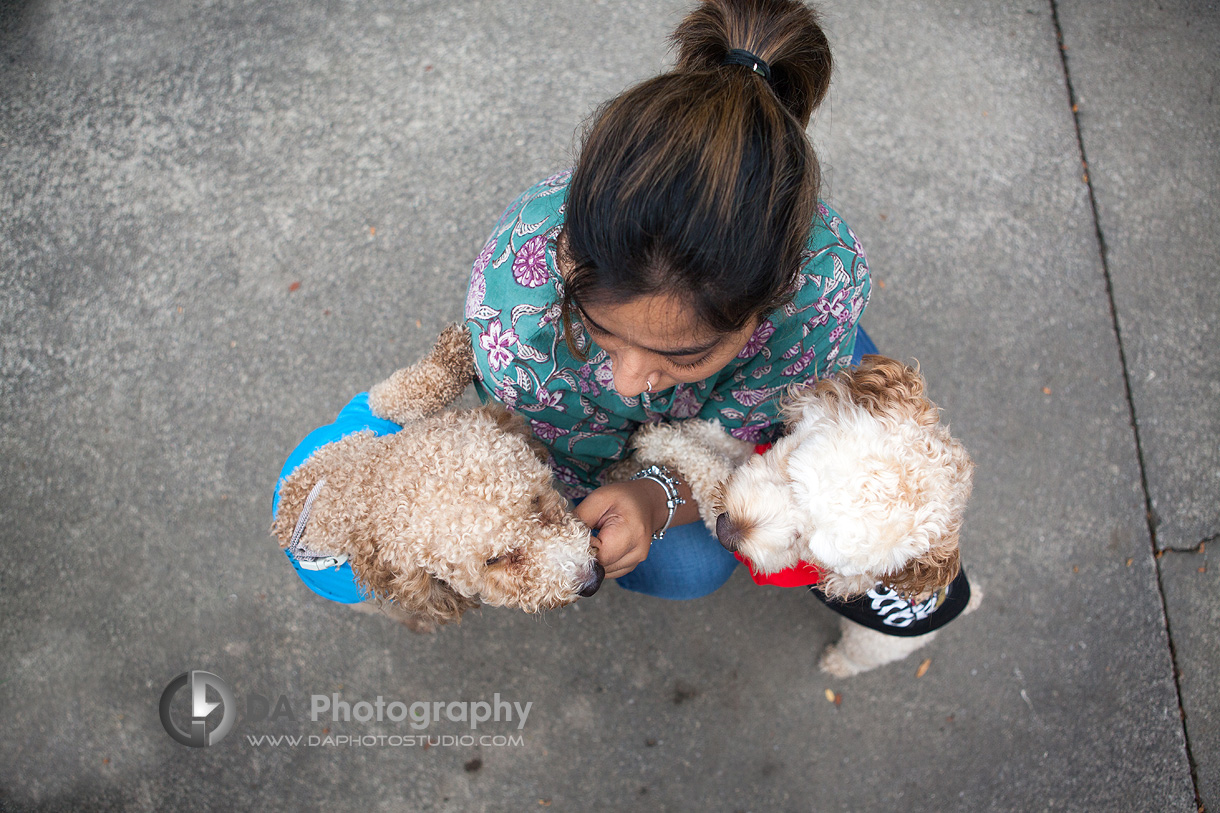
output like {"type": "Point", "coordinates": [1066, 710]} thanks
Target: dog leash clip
{"type": "Point", "coordinates": [311, 559]}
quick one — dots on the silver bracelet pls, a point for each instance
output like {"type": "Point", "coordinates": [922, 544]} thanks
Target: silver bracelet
{"type": "Point", "coordinates": [663, 476]}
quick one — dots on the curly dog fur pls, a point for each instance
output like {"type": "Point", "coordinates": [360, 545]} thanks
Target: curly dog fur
{"type": "Point", "coordinates": [454, 510]}
{"type": "Point", "coordinates": [866, 483]}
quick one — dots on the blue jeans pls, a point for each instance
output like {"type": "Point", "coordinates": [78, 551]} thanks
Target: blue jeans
{"type": "Point", "coordinates": [688, 562]}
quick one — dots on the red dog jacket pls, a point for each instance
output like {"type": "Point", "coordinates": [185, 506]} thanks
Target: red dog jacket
{"type": "Point", "coordinates": [801, 574]}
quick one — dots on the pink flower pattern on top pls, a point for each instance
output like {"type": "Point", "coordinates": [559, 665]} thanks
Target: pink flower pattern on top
{"type": "Point", "coordinates": [529, 267]}
{"type": "Point", "coordinates": [752, 433]}
{"type": "Point", "coordinates": [484, 258]}
{"type": "Point", "coordinates": [546, 431]}
{"type": "Point", "coordinates": [801, 363]}
{"type": "Point", "coordinates": [498, 344]}
{"type": "Point", "coordinates": [758, 340]}
{"type": "Point", "coordinates": [475, 294]}
{"type": "Point", "coordinates": [686, 403]}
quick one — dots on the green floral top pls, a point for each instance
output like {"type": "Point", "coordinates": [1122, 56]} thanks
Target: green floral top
{"type": "Point", "coordinates": [521, 359]}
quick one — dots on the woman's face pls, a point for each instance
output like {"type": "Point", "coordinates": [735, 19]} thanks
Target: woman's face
{"type": "Point", "coordinates": [657, 339]}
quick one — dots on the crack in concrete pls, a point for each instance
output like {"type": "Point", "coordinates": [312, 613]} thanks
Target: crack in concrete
{"type": "Point", "coordinates": [1149, 513]}
{"type": "Point", "coordinates": [1197, 549]}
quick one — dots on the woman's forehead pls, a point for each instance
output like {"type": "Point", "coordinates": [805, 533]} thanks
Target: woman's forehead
{"type": "Point", "coordinates": [660, 322]}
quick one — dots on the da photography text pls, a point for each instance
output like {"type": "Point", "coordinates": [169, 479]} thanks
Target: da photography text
{"type": "Point", "coordinates": [210, 716]}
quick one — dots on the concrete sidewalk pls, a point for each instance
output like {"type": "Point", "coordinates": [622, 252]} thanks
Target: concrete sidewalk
{"type": "Point", "coordinates": [219, 221]}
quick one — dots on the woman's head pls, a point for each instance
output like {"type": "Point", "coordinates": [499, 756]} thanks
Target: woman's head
{"type": "Point", "coordinates": [696, 189]}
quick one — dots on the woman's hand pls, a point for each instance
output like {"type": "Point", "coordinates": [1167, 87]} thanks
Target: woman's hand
{"type": "Point", "coordinates": [625, 515]}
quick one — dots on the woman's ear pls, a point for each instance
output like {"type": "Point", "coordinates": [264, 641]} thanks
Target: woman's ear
{"type": "Point", "coordinates": [563, 258]}
{"type": "Point", "coordinates": [552, 507]}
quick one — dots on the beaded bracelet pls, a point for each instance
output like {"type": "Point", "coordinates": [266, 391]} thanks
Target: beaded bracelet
{"type": "Point", "coordinates": [663, 476]}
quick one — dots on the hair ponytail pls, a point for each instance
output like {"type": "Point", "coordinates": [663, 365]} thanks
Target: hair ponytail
{"type": "Point", "coordinates": [785, 35]}
{"type": "Point", "coordinates": [701, 182]}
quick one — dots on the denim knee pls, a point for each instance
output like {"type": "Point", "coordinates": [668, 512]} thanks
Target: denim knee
{"type": "Point", "coordinates": [687, 563]}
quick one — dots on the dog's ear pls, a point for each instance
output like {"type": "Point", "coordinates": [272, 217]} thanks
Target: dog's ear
{"type": "Point", "coordinates": [926, 574]}
{"type": "Point", "coordinates": [515, 423]}
{"type": "Point", "coordinates": [331, 463]}
{"type": "Point", "coordinates": [886, 387]}
{"type": "Point", "coordinates": [551, 507]}
{"type": "Point", "coordinates": [412, 587]}
{"type": "Point", "coordinates": [429, 385]}
{"type": "Point", "coordinates": [830, 393]}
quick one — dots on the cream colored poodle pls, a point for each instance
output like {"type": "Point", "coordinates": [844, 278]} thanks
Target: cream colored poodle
{"type": "Point", "coordinates": [456, 509]}
{"type": "Point", "coordinates": [866, 485]}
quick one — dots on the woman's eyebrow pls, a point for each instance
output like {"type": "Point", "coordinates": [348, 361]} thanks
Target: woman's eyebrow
{"type": "Point", "coordinates": [685, 351]}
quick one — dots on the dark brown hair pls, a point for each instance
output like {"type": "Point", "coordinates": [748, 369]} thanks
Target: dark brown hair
{"type": "Point", "coordinates": [701, 182]}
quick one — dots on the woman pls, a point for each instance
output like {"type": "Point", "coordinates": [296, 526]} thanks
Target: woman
{"type": "Point", "coordinates": [683, 269]}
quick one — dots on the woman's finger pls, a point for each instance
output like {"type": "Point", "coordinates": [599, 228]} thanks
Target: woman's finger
{"type": "Point", "coordinates": [621, 548]}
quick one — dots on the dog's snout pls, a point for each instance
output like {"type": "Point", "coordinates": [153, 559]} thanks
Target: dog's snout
{"type": "Point", "coordinates": [727, 533]}
{"type": "Point", "coordinates": [594, 582]}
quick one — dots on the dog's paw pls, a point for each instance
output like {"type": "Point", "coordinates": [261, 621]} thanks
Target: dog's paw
{"type": "Point", "coordinates": [429, 385]}
{"type": "Point", "coordinates": [835, 663]}
{"type": "Point", "coordinates": [976, 598]}
{"type": "Point", "coordinates": [860, 649]}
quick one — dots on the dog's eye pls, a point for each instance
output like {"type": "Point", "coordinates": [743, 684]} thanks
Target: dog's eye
{"type": "Point", "coordinates": [510, 557]}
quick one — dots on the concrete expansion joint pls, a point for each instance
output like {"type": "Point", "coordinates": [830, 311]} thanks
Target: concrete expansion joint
{"type": "Point", "coordinates": [1198, 550]}
{"type": "Point", "coordinates": [1150, 513]}
{"type": "Point", "coordinates": [1163, 572]}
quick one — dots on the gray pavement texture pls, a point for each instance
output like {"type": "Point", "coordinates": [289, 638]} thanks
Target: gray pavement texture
{"type": "Point", "coordinates": [220, 220]}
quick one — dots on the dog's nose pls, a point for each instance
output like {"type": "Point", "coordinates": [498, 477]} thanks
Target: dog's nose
{"type": "Point", "coordinates": [726, 533]}
{"type": "Point", "coordinates": [595, 582]}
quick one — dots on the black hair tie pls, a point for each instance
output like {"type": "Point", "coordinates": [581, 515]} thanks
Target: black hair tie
{"type": "Point", "coordinates": [737, 56]}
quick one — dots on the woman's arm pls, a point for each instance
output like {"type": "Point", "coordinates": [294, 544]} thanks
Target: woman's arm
{"type": "Point", "coordinates": [626, 515]}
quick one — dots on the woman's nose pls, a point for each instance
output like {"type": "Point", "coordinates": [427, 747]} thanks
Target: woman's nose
{"type": "Point", "coordinates": [631, 373]}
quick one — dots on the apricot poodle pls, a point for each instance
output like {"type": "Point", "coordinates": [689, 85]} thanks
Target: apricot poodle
{"type": "Point", "coordinates": [454, 510]}
{"type": "Point", "coordinates": [866, 484]}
